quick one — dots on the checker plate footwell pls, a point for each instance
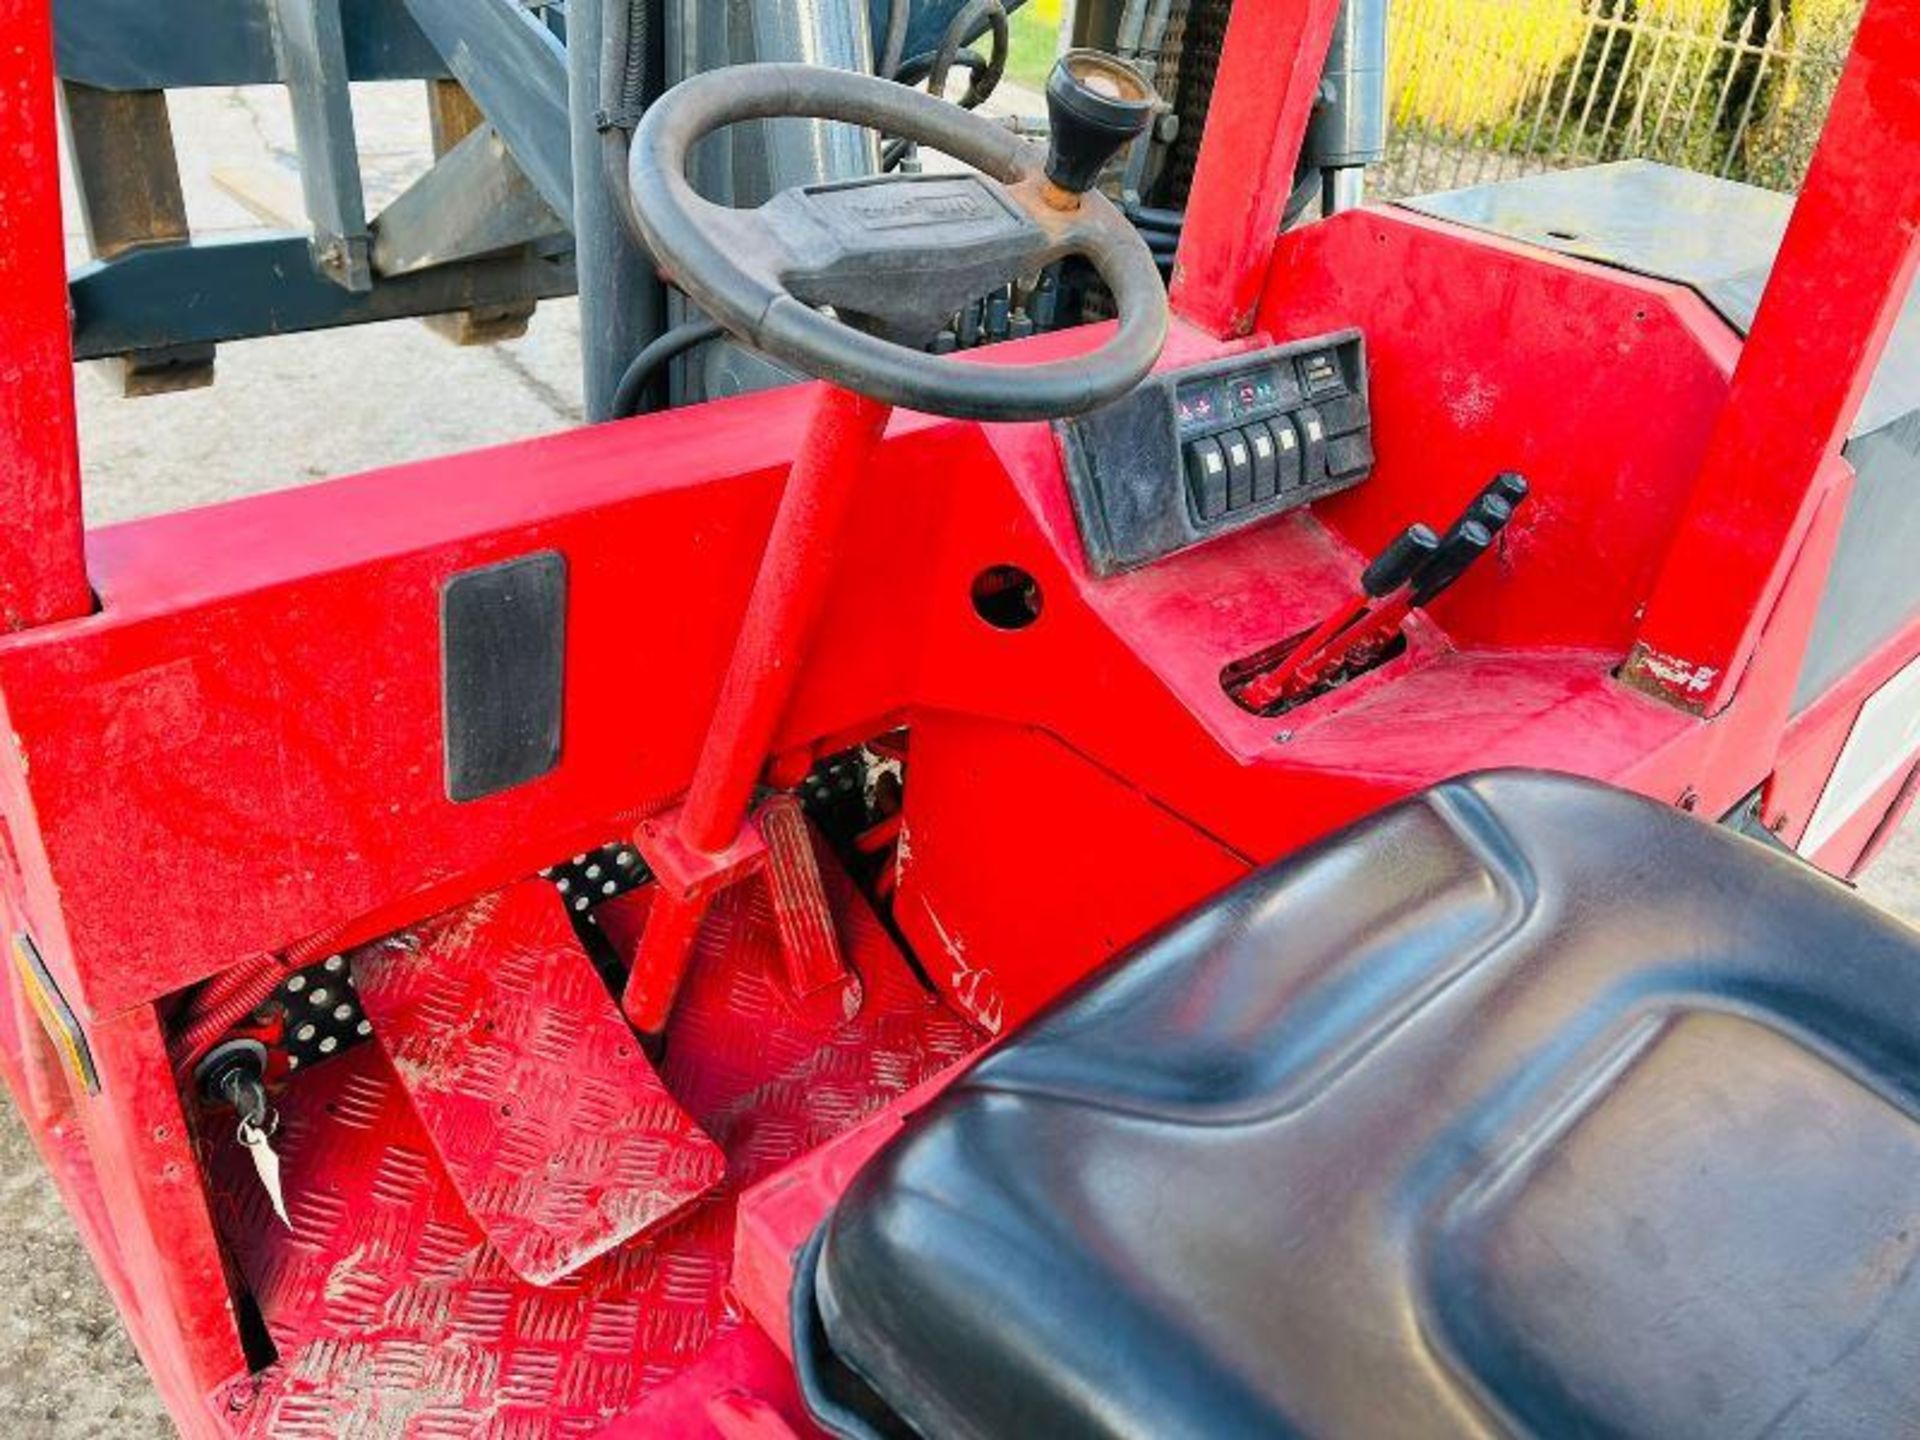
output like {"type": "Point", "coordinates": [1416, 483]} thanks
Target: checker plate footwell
{"type": "Point", "coordinates": [540, 1107]}
{"type": "Point", "coordinates": [394, 1315]}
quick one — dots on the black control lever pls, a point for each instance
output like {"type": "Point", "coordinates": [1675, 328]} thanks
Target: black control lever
{"type": "Point", "coordinates": [1098, 105]}
{"type": "Point", "coordinates": [1411, 552]}
{"type": "Point", "coordinates": [1511, 487]}
{"type": "Point", "coordinates": [1400, 561]}
{"type": "Point", "coordinates": [1411, 574]}
{"type": "Point", "coordinates": [1460, 551]}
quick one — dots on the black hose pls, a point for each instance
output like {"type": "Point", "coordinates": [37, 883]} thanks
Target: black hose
{"type": "Point", "coordinates": [913, 73]}
{"type": "Point", "coordinates": [899, 20]}
{"type": "Point", "coordinates": [964, 24]}
{"type": "Point", "coordinates": [916, 70]}
{"type": "Point", "coordinates": [1306, 189]}
{"type": "Point", "coordinates": [1148, 218]}
{"type": "Point", "coordinates": [668, 347]}
{"type": "Point", "coordinates": [626, 50]}
{"type": "Point", "coordinates": [935, 67]}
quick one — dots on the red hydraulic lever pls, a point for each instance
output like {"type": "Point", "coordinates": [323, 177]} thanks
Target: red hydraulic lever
{"type": "Point", "coordinates": [1411, 574]}
{"type": "Point", "coordinates": [1389, 573]}
{"type": "Point", "coordinates": [707, 843]}
{"type": "Point", "coordinates": [1472, 537]}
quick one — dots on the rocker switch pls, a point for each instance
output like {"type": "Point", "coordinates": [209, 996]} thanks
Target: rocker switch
{"type": "Point", "coordinates": [1313, 441]}
{"type": "Point", "coordinates": [1287, 439]}
{"type": "Point", "coordinates": [1266, 462]}
{"type": "Point", "coordinates": [1207, 475]}
{"type": "Point", "coordinates": [1239, 469]}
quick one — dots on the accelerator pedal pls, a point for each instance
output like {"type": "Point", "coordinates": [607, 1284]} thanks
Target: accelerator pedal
{"type": "Point", "coordinates": [809, 942]}
{"type": "Point", "coordinates": [548, 1119]}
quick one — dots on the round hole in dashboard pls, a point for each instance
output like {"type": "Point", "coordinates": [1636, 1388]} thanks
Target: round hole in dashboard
{"type": "Point", "coordinates": [1007, 597]}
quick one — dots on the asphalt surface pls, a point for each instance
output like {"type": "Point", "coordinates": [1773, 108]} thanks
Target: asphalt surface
{"type": "Point", "coordinates": [287, 412]}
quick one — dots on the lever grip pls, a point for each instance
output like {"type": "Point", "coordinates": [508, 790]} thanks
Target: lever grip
{"type": "Point", "coordinates": [1491, 511]}
{"type": "Point", "coordinates": [1510, 486]}
{"type": "Point", "coordinates": [1459, 552]}
{"type": "Point", "coordinates": [1400, 561]}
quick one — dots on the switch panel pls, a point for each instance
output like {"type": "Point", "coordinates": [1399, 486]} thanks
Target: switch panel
{"type": "Point", "coordinates": [1200, 452]}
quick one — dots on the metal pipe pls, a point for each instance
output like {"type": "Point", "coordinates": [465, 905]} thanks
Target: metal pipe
{"type": "Point", "coordinates": [1343, 189]}
{"type": "Point", "coordinates": [622, 303]}
{"type": "Point", "coordinates": [1153, 38]}
{"type": "Point", "coordinates": [787, 153]}
{"type": "Point", "coordinates": [899, 20]}
{"type": "Point", "coordinates": [783, 614]}
{"type": "Point", "coordinates": [1350, 129]}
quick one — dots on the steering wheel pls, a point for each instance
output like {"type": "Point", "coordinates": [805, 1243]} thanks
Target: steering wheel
{"type": "Point", "coordinates": [897, 256]}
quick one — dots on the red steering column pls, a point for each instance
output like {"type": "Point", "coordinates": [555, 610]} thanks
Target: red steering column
{"type": "Point", "coordinates": [708, 842]}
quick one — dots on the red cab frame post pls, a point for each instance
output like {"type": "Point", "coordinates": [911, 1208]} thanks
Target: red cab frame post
{"type": "Point", "coordinates": [1270, 68]}
{"type": "Point", "coordinates": [1843, 274]}
{"type": "Point", "coordinates": [43, 574]}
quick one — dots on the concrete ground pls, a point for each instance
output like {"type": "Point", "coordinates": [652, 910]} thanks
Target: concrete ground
{"type": "Point", "coordinates": [286, 412]}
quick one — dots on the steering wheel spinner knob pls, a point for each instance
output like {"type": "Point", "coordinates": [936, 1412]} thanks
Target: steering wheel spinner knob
{"type": "Point", "coordinates": [1098, 105]}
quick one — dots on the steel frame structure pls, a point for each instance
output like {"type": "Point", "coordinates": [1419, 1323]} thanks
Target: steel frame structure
{"type": "Point", "coordinates": [224, 721]}
{"type": "Point", "coordinates": [517, 209]}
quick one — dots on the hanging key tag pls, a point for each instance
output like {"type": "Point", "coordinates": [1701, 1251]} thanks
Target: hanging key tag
{"type": "Point", "coordinates": [258, 1122]}
{"type": "Point", "coordinates": [256, 1133]}
{"type": "Point", "coordinates": [235, 1074]}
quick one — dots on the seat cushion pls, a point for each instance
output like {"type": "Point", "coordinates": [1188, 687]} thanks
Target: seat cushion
{"type": "Point", "coordinates": [1526, 1106]}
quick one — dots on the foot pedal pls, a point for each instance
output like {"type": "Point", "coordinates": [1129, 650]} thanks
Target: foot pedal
{"type": "Point", "coordinates": [548, 1119]}
{"type": "Point", "coordinates": [808, 942]}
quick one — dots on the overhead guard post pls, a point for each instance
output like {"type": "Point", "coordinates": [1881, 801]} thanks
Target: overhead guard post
{"type": "Point", "coordinates": [43, 573]}
{"type": "Point", "coordinates": [1270, 68]}
{"type": "Point", "coordinates": [1844, 273]}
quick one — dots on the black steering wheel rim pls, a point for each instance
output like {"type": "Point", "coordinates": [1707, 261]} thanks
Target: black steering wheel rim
{"type": "Point", "coordinates": [717, 254]}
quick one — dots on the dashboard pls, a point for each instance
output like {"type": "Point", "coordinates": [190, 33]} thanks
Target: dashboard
{"type": "Point", "coordinates": [1204, 451]}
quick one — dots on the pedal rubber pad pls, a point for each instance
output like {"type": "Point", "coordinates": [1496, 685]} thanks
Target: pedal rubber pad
{"type": "Point", "coordinates": [809, 944]}
{"type": "Point", "coordinates": [548, 1119]}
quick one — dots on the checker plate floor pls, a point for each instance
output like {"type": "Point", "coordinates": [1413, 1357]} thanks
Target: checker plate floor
{"type": "Point", "coordinates": [540, 1106]}
{"type": "Point", "coordinates": [394, 1316]}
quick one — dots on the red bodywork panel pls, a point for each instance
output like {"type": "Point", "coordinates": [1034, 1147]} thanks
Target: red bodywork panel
{"type": "Point", "coordinates": [1844, 273]}
{"type": "Point", "coordinates": [239, 755]}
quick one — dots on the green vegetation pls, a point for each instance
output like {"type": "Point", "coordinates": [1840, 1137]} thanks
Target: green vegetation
{"type": "Point", "coordinates": [1036, 40]}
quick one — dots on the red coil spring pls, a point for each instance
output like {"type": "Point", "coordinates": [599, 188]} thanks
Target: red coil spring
{"type": "Point", "coordinates": [229, 998]}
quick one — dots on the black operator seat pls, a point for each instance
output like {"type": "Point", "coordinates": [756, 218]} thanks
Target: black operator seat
{"type": "Point", "coordinates": [1526, 1107]}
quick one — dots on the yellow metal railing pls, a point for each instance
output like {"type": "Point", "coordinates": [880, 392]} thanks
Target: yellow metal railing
{"type": "Point", "coordinates": [1487, 89]}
